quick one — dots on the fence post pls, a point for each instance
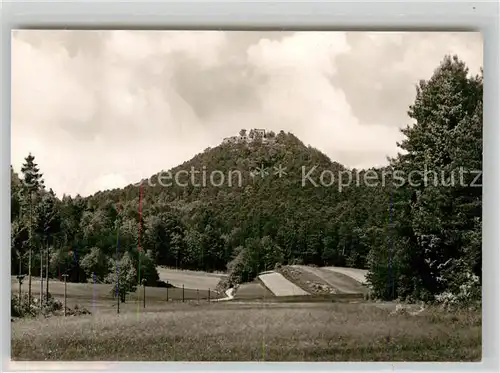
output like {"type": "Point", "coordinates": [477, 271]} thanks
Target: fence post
{"type": "Point", "coordinates": [93, 291]}
{"type": "Point", "coordinates": [209, 294]}
{"type": "Point", "coordinates": [47, 274]}
{"type": "Point", "coordinates": [65, 279]}
{"type": "Point", "coordinates": [144, 292]}
{"type": "Point", "coordinates": [197, 296]}
{"type": "Point", "coordinates": [118, 294]}
{"type": "Point", "coordinates": [167, 291]}
{"type": "Point", "coordinates": [20, 276]}
{"type": "Point", "coordinates": [182, 292]}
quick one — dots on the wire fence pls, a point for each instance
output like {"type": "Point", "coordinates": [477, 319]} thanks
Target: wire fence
{"type": "Point", "coordinates": [96, 295]}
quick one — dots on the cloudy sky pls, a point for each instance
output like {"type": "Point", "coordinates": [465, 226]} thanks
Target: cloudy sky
{"type": "Point", "coordinates": [103, 109]}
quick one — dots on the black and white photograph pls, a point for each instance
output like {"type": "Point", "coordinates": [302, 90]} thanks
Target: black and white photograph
{"type": "Point", "coordinates": [282, 196]}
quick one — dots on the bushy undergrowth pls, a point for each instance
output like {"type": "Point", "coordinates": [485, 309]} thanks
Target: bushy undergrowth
{"type": "Point", "coordinates": [21, 307]}
{"type": "Point", "coordinates": [49, 307]}
{"type": "Point", "coordinates": [466, 295]}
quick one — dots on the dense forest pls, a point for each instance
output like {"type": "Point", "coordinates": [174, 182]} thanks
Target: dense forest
{"type": "Point", "coordinates": [418, 239]}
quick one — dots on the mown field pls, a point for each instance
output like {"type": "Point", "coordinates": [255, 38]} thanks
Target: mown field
{"type": "Point", "coordinates": [189, 279]}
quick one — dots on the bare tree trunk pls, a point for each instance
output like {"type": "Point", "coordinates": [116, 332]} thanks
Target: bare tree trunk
{"type": "Point", "coordinates": [47, 274]}
{"type": "Point", "coordinates": [118, 295]}
{"type": "Point", "coordinates": [19, 277]}
{"type": "Point", "coordinates": [20, 262]}
{"type": "Point", "coordinates": [41, 275]}
{"type": "Point", "coordinates": [65, 279]}
{"type": "Point", "coordinates": [30, 248]}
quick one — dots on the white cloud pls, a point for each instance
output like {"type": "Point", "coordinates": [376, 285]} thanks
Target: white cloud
{"type": "Point", "coordinates": [303, 97]}
{"type": "Point", "coordinates": [306, 52]}
{"type": "Point", "coordinates": [104, 109]}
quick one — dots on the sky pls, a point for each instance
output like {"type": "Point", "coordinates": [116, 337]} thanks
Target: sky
{"type": "Point", "coordinates": [104, 109]}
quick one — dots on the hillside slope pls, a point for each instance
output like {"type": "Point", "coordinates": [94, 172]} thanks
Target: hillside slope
{"type": "Point", "coordinates": [185, 219]}
{"type": "Point", "coordinates": [193, 224]}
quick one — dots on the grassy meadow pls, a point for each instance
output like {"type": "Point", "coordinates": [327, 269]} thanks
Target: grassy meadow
{"type": "Point", "coordinates": [241, 331]}
{"type": "Point", "coordinates": [99, 295]}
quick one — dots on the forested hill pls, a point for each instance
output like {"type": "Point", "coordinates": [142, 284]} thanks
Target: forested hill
{"type": "Point", "coordinates": [202, 221]}
{"type": "Point", "coordinates": [260, 219]}
{"type": "Point", "coordinates": [301, 220]}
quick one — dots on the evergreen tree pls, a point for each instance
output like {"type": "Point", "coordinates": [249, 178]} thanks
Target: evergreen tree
{"type": "Point", "coordinates": [436, 214]}
{"type": "Point", "coordinates": [32, 184]}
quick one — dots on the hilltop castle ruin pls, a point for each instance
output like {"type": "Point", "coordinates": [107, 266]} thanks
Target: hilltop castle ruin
{"type": "Point", "coordinates": [253, 134]}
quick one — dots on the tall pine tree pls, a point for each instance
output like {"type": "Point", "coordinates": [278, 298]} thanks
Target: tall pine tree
{"type": "Point", "coordinates": [31, 186]}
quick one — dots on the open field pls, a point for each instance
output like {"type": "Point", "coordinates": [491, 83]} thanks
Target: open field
{"type": "Point", "coordinates": [337, 280]}
{"type": "Point", "coordinates": [255, 326]}
{"type": "Point", "coordinates": [190, 279]}
{"type": "Point", "coordinates": [252, 290]}
{"type": "Point", "coordinates": [99, 295]}
{"type": "Point", "coordinates": [251, 332]}
{"type": "Point", "coordinates": [196, 287]}
{"type": "Point", "coordinates": [357, 274]}
{"type": "Point", "coordinates": [279, 285]}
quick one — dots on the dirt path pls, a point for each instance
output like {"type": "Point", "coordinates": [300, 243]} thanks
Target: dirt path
{"type": "Point", "coordinates": [229, 295]}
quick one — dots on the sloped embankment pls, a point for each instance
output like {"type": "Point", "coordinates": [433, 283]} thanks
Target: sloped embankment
{"type": "Point", "coordinates": [252, 290]}
{"type": "Point", "coordinates": [307, 281]}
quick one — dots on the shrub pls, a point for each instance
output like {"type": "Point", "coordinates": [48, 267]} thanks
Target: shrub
{"type": "Point", "coordinates": [21, 308]}
{"type": "Point", "coordinates": [465, 295]}
{"type": "Point", "coordinates": [77, 311]}
{"type": "Point", "coordinates": [126, 274]}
